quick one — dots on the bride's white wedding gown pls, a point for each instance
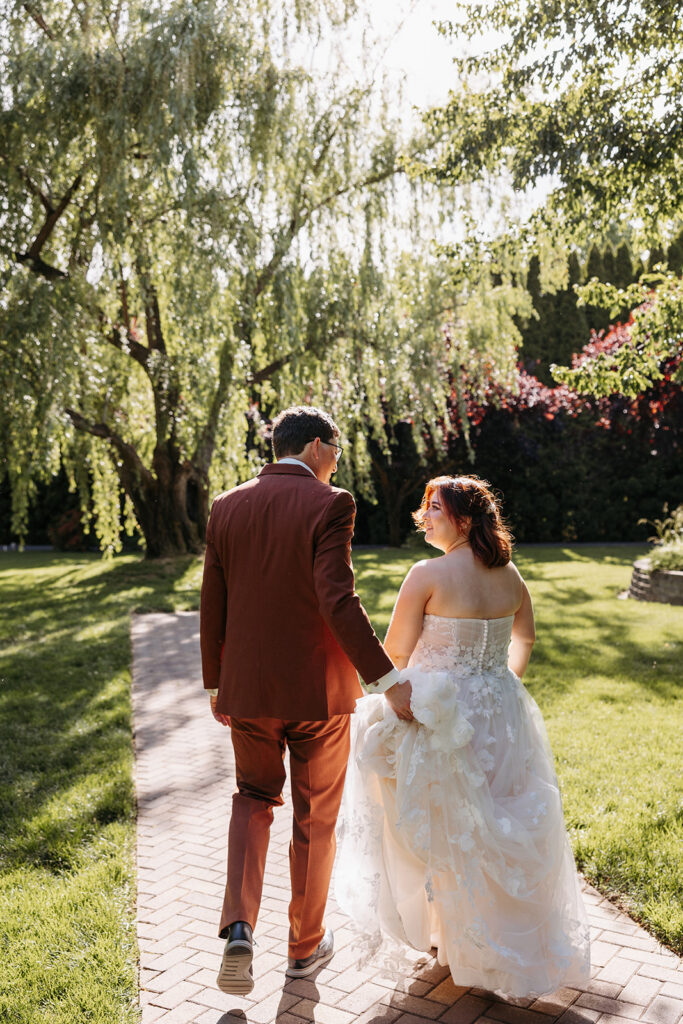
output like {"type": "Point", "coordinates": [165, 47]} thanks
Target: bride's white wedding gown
{"type": "Point", "coordinates": [451, 832]}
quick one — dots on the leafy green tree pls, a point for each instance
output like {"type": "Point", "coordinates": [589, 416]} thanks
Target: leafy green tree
{"type": "Point", "coordinates": [656, 257]}
{"type": "Point", "coordinates": [182, 199]}
{"type": "Point", "coordinates": [597, 317]}
{"type": "Point", "coordinates": [655, 341]}
{"type": "Point", "coordinates": [674, 256]}
{"type": "Point", "coordinates": [585, 99]}
{"type": "Point", "coordinates": [609, 265]}
{"type": "Point", "coordinates": [623, 268]}
{"type": "Point", "coordinates": [589, 92]}
{"type": "Point", "coordinates": [559, 326]}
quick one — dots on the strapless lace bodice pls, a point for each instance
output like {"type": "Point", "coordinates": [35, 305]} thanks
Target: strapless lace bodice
{"type": "Point", "coordinates": [465, 646]}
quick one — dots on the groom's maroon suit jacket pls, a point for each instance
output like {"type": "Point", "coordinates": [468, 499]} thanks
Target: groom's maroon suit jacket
{"type": "Point", "coordinates": [281, 625]}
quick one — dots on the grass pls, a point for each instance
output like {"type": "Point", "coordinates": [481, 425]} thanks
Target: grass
{"type": "Point", "coordinates": [604, 672]}
{"type": "Point", "coordinates": [68, 949]}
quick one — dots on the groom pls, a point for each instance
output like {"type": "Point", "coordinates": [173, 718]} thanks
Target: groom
{"type": "Point", "coordinates": [282, 635]}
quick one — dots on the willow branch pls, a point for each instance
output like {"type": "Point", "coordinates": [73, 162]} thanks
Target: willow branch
{"type": "Point", "coordinates": [40, 267]}
{"type": "Point", "coordinates": [127, 451]}
{"type": "Point", "coordinates": [131, 346]}
{"type": "Point", "coordinates": [123, 288]}
{"type": "Point", "coordinates": [276, 364]}
{"type": "Point", "coordinates": [112, 32]}
{"type": "Point", "coordinates": [155, 335]}
{"type": "Point", "coordinates": [372, 179]}
{"type": "Point", "coordinates": [52, 218]}
{"type": "Point", "coordinates": [267, 371]}
{"type": "Point", "coordinates": [39, 20]}
{"type": "Point", "coordinates": [282, 247]}
{"type": "Point", "coordinates": [34, 190]}
{"type": "Point", "coordinates": [82, 19]}
{"type": "Point", "coordinates": [33, 255]}
{"type": "Point", "coordinates": [299, 219]}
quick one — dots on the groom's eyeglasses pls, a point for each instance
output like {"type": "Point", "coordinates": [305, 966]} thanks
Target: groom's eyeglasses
{"type": "Point", "coordinates": [331, 444]}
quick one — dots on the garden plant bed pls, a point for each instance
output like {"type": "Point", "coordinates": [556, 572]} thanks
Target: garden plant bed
{"type": "Point", "coordinates": [663, 585]}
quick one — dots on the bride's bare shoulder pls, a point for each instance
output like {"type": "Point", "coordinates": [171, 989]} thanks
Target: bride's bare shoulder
{"type": "Point", "coordinates": [426, 568]}
{"type": "Point", "coordinates": [420, 575]}
{"type": "Point", "coordinates": [514, 577]}
{"type": "Point", "coordinates": [512, 570]}
{"type": "Point", "coordinates": [508, 570]}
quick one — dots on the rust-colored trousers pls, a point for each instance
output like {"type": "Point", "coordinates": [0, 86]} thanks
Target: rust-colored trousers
{"type": "Point", "coordinates": [318, 754]}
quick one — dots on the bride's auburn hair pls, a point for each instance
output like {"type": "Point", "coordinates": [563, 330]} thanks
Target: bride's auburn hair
{"type": "Point", "coordinates": [471, 504]}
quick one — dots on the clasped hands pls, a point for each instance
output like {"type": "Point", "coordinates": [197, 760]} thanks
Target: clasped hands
{"type": "Point", "coordinates": [398, 696]}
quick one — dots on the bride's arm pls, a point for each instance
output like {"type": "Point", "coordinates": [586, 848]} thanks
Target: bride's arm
{"type": "Point", "coordinates": [406, 619]}
{"type": "Point", "coordinates": [523, 635]}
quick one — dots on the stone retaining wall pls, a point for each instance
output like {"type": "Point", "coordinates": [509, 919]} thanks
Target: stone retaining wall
{"type": "Point", "coordinates": [664, 585]}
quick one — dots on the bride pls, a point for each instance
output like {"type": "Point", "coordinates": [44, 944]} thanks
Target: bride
{"type": "Point", "coordinates": [451, 831]}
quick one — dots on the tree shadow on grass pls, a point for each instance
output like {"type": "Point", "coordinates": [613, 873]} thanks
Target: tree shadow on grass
{"type": "Point", "coordinates": [65, 730]}
{"type": "Point", "coordinates": [573, 643]}
{"type": "Point", "coordinates": [150, 584]}
{"type": "Point", "coordinates": [63, 774]}
{"type": "Point", "coordinates": [606, 554]}
{"type": "Point", "coordinates": [66, 746]}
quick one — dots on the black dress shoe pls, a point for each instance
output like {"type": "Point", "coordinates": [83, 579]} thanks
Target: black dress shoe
{"type": "Point", "coordinates": [320, 956]}
{"type": "Point", "coordinates": [236, 976]}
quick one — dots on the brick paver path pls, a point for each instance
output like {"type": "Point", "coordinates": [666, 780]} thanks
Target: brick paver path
{"type": "Point", "coordinates": [185, 779]}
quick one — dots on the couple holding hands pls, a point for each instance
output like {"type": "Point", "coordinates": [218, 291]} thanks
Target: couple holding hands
{"type": "Point", "coordinates": [439, 784]}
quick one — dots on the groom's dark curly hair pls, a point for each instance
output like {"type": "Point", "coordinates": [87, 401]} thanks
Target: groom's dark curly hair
{"type": "Point", "coordinates": [294, 428]}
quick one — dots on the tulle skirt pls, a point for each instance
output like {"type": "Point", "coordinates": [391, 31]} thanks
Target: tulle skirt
{"type": "Point", "coordinates": [451, 835]}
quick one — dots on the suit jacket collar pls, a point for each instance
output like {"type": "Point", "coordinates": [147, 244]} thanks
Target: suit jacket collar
{"type": "Point", "coordinates": [274, 469]}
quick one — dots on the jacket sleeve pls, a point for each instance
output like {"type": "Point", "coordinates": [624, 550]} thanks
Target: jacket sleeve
{"type": "Point", "coordinates": [212, 611]}
{"type": "Point", "coordinates": [338, 602]}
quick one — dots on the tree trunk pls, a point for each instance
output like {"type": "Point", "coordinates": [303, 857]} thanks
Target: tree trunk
{"type": "Point", "coordinates": [171, 500]}
{"type": "Point", "coordinates": [396, 478]}
{"type": "Point", "coordinates": [393, 497]}
{"type": "Point", "coordinates": [171, 505]}
{"type": "Point", "coordinates": [394, 509]}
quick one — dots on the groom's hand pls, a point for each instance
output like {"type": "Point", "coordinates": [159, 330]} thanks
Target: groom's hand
{"type": "Point", "coordinates": [398, 696]}
{"type": "Point", "coordinates": [223, 719]}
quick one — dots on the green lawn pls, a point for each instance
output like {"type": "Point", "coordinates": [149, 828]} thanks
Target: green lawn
{"type": "Point", "coordinates": [66, 799]}
{"type": "Point", "coordinates": [605, 673]}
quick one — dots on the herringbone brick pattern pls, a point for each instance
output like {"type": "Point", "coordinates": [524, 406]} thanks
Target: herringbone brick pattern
{"type": "Point", "coordinates": [185, 778]}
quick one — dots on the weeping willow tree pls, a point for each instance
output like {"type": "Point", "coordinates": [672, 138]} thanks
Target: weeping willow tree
{"type": "Point", "coordinates": [197, 220]}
